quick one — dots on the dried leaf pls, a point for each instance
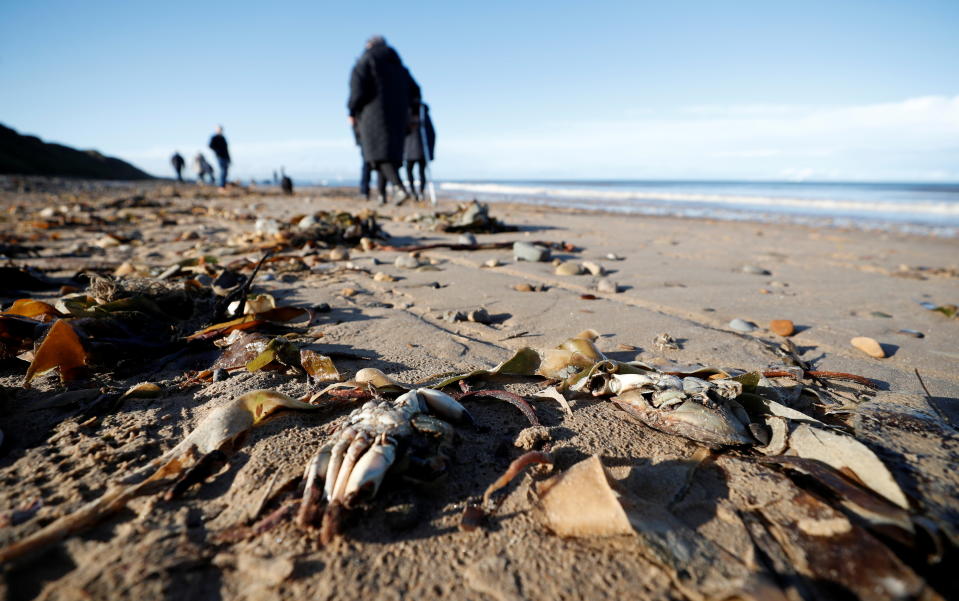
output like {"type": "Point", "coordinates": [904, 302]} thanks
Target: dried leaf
{"type": "Point", "coordinates": [552, 393]}
{"type": "Point", "coordinates": [143, 390]}
{"type": "Point", "coordinates": [60, 348]}
{"type": "Point", "coordinates": [581, 502]}
{"type": "Point", "coordinates": [33, 309]}
{"type": "Point", "coordinates": [523, 363]}
{"type": "Point", "coordinates": [847, 455]}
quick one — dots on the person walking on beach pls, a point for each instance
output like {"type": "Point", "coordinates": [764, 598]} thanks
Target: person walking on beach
{"type": "Point", "coordinates": [382, 96]}
{"type": "Point", "coordinates": [366, 172]}
{"type": "Point", "coordinates": [177, 161]}
{"type": "Point", "coordinates": [414, 152]}
{"type": "Point", "coordinates": [203, 168]}
{"type": "Point", "coordinates": [219, 148]}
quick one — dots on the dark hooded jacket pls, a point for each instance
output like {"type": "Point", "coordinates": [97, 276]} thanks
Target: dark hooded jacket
{"type": "Point", "coordinates": [414, 140]}
{"type": "Point", "coordinates": [219, 147]}
{"type": "Point", "coordinates": [382, 96]}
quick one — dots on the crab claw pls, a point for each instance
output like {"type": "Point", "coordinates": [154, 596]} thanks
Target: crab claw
{"type": "Point", "coordinates": [445, 406]}
{"type": "Point", "coordinates": [370, 469]}
{"type": "Point", "coordinates": [312, 494]}
{"type": "Point", "coordinates": [712, 426]}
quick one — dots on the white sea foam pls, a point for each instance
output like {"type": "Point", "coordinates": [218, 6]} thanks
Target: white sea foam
{"type": "Point", "coordinates": [864, 207]}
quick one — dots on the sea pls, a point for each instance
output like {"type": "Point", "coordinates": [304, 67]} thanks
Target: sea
{"type": "Point", "coordinates": [921, 208]}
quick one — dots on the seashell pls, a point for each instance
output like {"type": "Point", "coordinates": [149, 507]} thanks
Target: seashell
{"type": "Point", "coordinates": [376, 378]}
{"type": "Point", "coordinates": [741, 325]}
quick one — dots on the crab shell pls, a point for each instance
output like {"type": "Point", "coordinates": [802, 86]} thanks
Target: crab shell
{"type": "Point", "coordinates": [713, 425]}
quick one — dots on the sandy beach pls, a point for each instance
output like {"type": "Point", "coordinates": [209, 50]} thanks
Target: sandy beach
{"type": "Point", "coordinates": [688, 278]}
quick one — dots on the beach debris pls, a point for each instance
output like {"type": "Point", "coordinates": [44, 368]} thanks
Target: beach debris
{"type": "Point", "coordinates": [754, 270]}
{"type": "Point", "coordinates": [220, 432]}
{"type": "Point", "coordinates": [913, 333]}
{"type": "Point", "coordinates": [381, 276]}
{"type": "Point", "coordinates": [525, 251]}
{"type": "Point", "coordinates": [61, 348]}
{"type": "Point", "coordinates": [475, 513]}
{"type": "Point", "coordinates": [471, 217]}
{"type": "Point", "coordinates": [607, 286]}
{"type": "Point", "coordinates": [550, 392]}
{"type": "Point", "coordinates": [406, 262]}
{"type": "Point", "coordinates": [782, 327]}
{"type": "Point", "coordinates": [339, 253]}
{"type": "Point", "coordinates": [868, 346]}
{"type": "Point", "coordinates": [143, 390]}
{"type": "Point", "coordinates": [568, 268]}
{"type": "Point", "coordinates": [369, 444]}
{"type": "Point", "coordinates": [466, 239]}
{"type": "Point", "coordinates": [523, 362]}
{"type": "Point", "coordinates": [743, 326]}
{"type": "Point", "coordinates": [594, 268]}
{"type": "Point", "coordinates": [491, 263]}
{"type": "Point", "coordinates": [664, 342]}
{"type": "Point", "coordinates": [881, 314]}
{"type": "Point", "coordinates": [581, 502]}
{"type": "Point", "coordinates": [613, 257]}
{"type": "Point", "coordinates": [527, 287]}
{"type": "Point", "coordinates": [532, 438]}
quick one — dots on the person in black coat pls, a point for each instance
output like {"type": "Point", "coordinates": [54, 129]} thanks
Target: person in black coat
{"type": "Point", "coordinates": [413, 151]}
{"type": "Point", "coordinates": [382, 96]}
{"type": "Point", "coordinates": [177, 161]}
{"type": "Point", "coordinates": [222, 152]}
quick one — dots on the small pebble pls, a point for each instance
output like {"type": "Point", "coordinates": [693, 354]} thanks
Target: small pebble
{"type": "Point", "coordinates": [453, 316]}
{"type": "Point", "coordinates": [406, 262]}
{"type": "Point", "coordinates": [607, 285]}
{"type": "Point", "coordinates": [491, 263]}
{"type": "Point", "coordinates": [913, 333]}
{"type": "Point", "coordinates": [594, 268]}
{"type": "Point", "coordinates": [614, 257]}
{"type": "Point", "coordinates": [569, 268]}
{"type": "Point", "coordinates": [741, 325]}
{"type": "Point", "coordinates": [468, 239]}
{"type": "Point", "coordinates": [220, 374]}
{"type": "Point", "coordinates": [868, 346]}
{"type": "Point", "coordinates": [479, 316]}
{"type": "Point", "coordinates": [753, 270]}
{"type": "Point", "coordinates": [523, 288]}
{"type": "Point", "coordinates": [348, 292]}
{"type": "Point", "coordinates": [339, 254]}
{"type": "Point", "coordinates": [379, 276]}
{"type": "Point", "coordinates": [322, 308]}
{"type": "Point", "coordinates": [366, 244]}
{"type": "Point", "coordinates": [524, 251]}
{"type": "Point", "coordinates": [783, 327]}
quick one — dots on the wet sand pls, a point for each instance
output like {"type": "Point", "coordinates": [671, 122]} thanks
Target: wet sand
{"type": "Point", "coordinates": [684, 277]}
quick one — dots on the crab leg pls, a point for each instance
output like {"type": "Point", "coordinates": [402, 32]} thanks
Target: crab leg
{"type": "Point", "coordinates": [336, 460]}
{"type": "Point", "coordinates": [445, 406]}
{"type": "Point", "coordinates": [370, 469]}
{"type": "Point", "coordinates": [312, 493]}
{"type": "Point", "coordinates": [357, 449]}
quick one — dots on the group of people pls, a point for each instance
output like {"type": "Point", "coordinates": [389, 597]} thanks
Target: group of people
{"type": "Point", "coordinates": [204, 171]}
{"type": "Point", "coordinates": [390, 122]}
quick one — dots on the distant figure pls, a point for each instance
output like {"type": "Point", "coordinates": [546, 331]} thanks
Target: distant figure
{"type": "Point", "coordinates": [366, 171]}
{"type": "Point", "coordinates": [219, 148]}
{"type": "Point", "coordinates": [382, 94]}
{"type": "Point", "coordinates": [414, 148]}
{"type": "Point", "coordinates": [203, 168]}
{"type": "Point", "coordinates": [276, 180]}
{"type": "Point", "coordinates": [177, 161]}
{"type": "Point", "coordinates": [286, 184]}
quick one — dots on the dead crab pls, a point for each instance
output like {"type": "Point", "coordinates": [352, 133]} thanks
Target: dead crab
{"type": "Point", "coordinates": [411, 434]}
{"type": "Point", "coordinates": [702, 410]}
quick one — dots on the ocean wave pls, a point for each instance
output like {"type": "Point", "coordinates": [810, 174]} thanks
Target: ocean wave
{"type": "Point", "coordinates": [865, 207]}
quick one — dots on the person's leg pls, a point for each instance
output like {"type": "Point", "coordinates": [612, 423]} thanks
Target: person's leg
{"type": "Point", "coordinates": [381, 182]}
{"type": "Point", "coordinates": [224, 165]}
{"type": "Point", "coordinates": [409, 175]}
{"type": "Point", "coordinates": [422, 163]}
{"type": "Point", "coordinates": [365, 175]}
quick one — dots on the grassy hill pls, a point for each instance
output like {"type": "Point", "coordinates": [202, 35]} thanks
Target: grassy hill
{"type": "Point", "coordinates": [29, 155]}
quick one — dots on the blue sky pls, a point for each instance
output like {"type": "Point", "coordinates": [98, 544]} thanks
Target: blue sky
{"type": "Point", "coordinates": [633, 90]}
